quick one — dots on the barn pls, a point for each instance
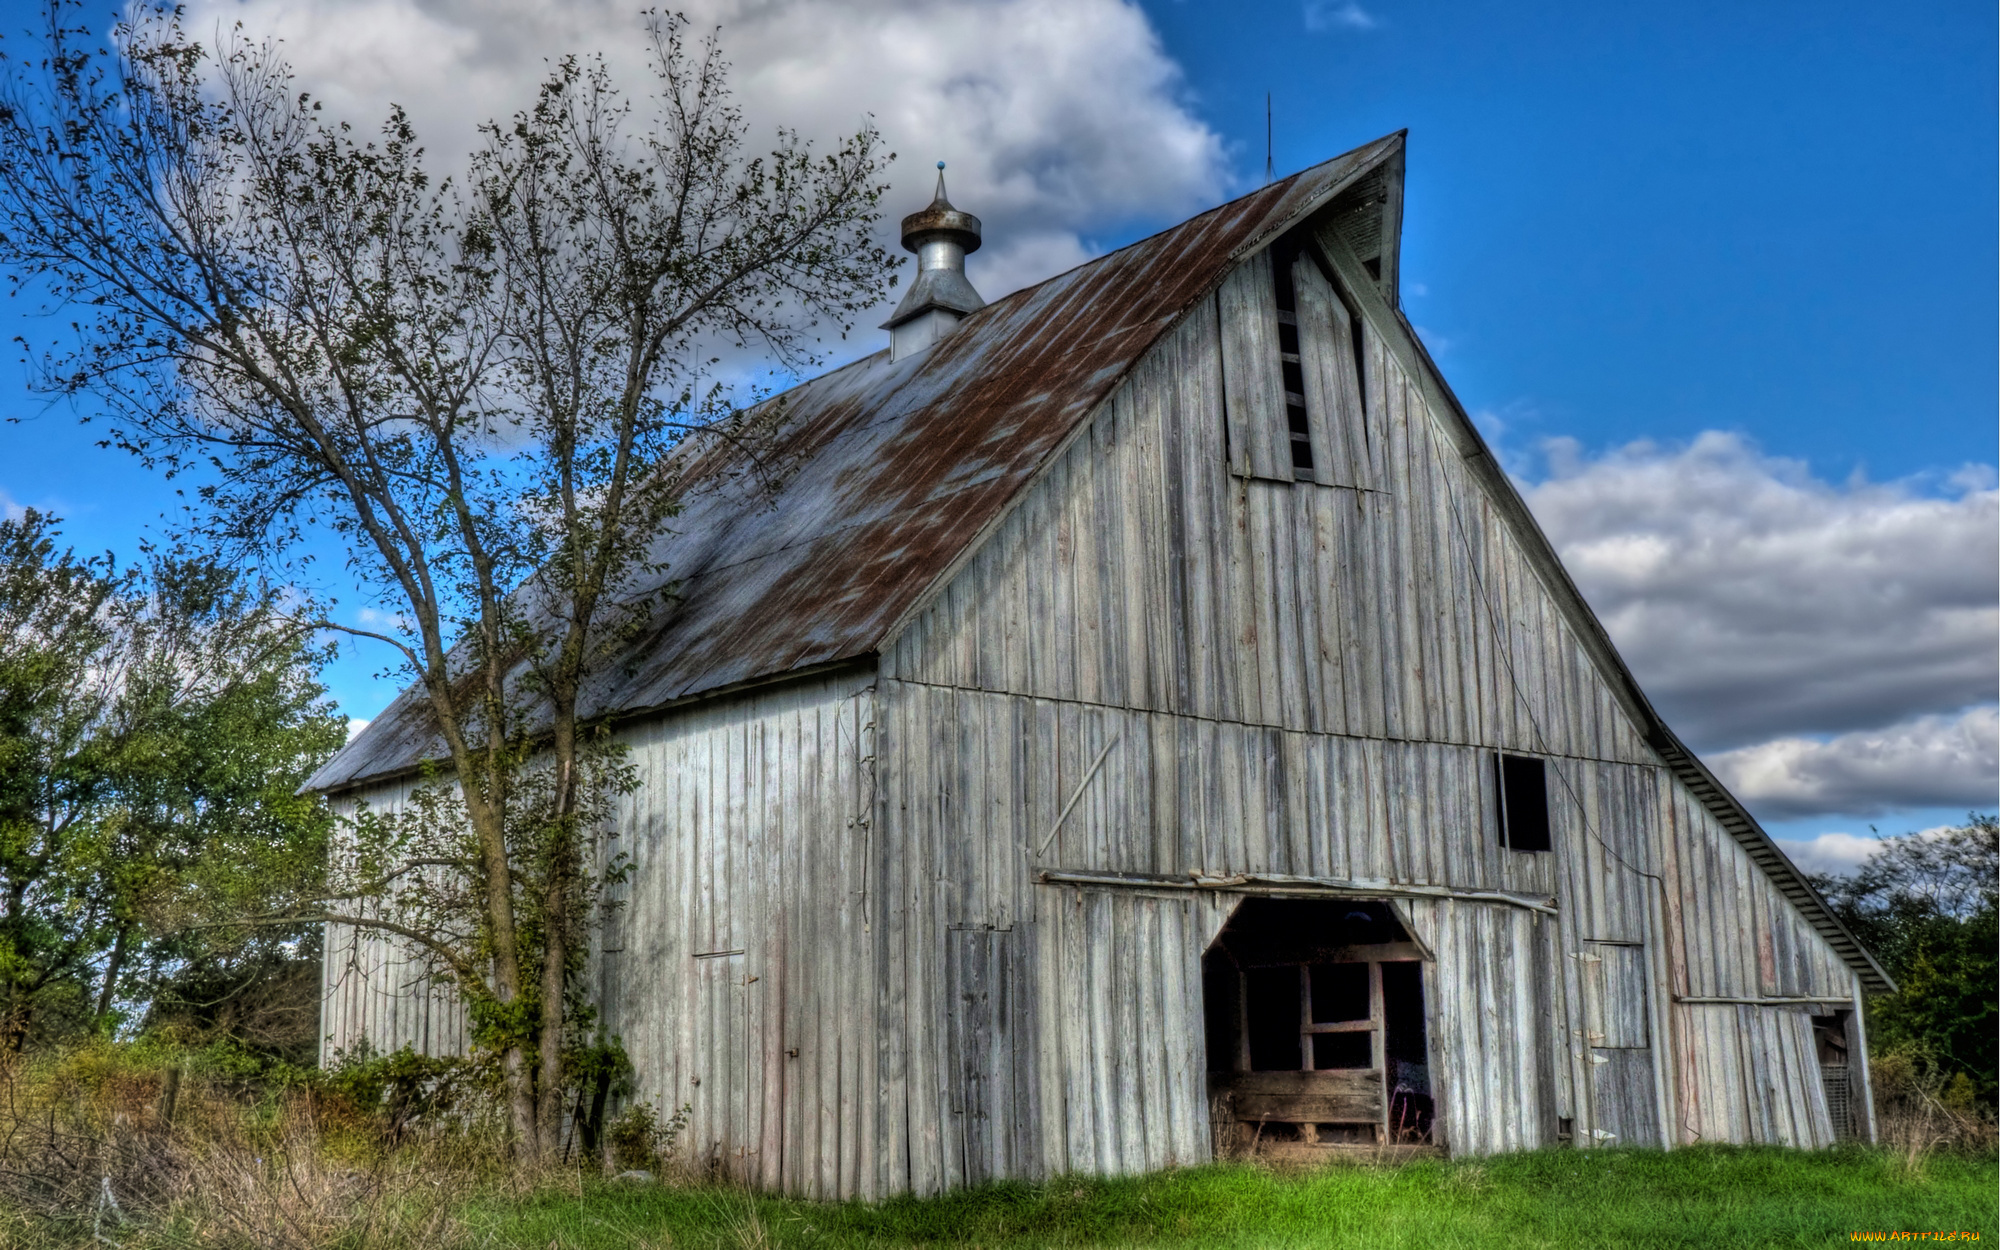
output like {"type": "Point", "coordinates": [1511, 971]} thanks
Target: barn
{"type": "Point", "coordinates": [1136, 721]}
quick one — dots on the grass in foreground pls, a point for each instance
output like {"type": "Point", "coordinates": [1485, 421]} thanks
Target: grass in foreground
{"type": "Point", "coordinates": [1716, 1196]}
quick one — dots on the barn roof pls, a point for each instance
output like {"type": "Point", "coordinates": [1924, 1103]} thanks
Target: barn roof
{"type": "Point", "coordinates": [871, 480]}
{"type": "Point", "coordinates": [811, 533]}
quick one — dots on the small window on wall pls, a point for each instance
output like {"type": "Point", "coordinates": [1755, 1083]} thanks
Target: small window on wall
{"type": "Point", "coordinates": [1524, 802]}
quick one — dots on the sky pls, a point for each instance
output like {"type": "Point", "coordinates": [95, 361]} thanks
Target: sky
{"type": "Point", "coordinates": [1715, 280]}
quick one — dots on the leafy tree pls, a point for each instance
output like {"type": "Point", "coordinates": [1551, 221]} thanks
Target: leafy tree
{"type": "Point", "coordinates": [155, 723]}
{"type": "Point", "coordinates": [1925, 904]}
{"type": "Point", "coordinates": [473, 385]}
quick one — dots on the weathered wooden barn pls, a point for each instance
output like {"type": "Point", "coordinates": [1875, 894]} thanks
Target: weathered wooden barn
{"type": "Point", "coordinates": [1137, 719]}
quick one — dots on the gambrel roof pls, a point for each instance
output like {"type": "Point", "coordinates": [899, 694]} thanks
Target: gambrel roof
{"type": "Point", "coordinates": [837, 508]}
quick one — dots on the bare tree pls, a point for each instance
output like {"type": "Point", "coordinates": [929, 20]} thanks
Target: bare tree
{"type": "Point", "coordinates": [474, 383]}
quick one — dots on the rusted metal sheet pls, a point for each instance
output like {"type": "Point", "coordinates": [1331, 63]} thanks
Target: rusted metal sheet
{"type": "Point", "coordinates": [884, 472]}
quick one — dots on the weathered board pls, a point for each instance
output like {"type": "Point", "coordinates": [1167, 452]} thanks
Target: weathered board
{"type": "Point", "coordinates": [1343, 441]}
{"type": "Point", "coordinates": [1351, 1096]}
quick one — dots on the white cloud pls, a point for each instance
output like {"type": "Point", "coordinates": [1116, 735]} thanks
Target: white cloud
{"type": "Point", "coordinates": [1842, 853]}
{"type": "Point", "coordinates": [1326, 15]}
{"type": "Point", "coordinates": [354, 727]}
{"type": "Point", "coordinates": [1830, 853]}
{"type": "Point", "coordinates": [1059, 118]}
{"type": "Point", "coordinates": [1437, 344]}
{"type": "Point", "coordinates": [10, 510]}
{"type": "Point", "coordinates": [1930, 761]}
{"type": "Point", "coordinates": [1754, 601]}
{"type": "Point", "coordinates": [383, 622]}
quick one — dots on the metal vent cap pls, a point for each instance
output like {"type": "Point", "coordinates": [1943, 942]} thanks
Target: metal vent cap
{"type": "Point", "coordinates": [940, 223]}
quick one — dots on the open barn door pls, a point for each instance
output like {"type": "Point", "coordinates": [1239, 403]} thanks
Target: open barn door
{"type": "Point", "coordinates": [1315, 1020]}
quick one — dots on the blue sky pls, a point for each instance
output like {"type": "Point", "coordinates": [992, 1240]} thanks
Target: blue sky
{"type": "Point", "coordinates": [1716, 279]}
{"type": "Point", "coordinates": [1652, 220]}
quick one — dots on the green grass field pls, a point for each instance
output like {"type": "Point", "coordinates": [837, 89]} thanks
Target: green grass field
{"type": "Point", "coordinates": [1697, 1197]}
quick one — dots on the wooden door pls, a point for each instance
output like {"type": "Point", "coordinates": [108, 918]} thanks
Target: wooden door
{"type": "Point", "coordinates": [987, 1072]}
{"type": "Point", "coordinates": [1625, 1109]}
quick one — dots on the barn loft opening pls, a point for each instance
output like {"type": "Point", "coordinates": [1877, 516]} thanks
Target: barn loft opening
{"type": "Point", "coordinates": [1315, 1026]}
{"type": "Point", "coordinates": [1524, 802]}
{"type": "Point", "coordinates": [1284, 254]}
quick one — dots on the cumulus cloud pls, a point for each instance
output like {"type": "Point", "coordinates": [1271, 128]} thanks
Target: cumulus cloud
{"type": "Point", "coordinates": [1835, 854]}
{"type": "Point", "coordinates": [1754, 601]}
{"type": "Point", "coordinates": [354, 727]}
{"type": "Point", "coordinates": [1059, 118]}
{"type": "Point", "coordinates": [1841, 854]}
{"type": "Point", "coordinates": [1930, 761]}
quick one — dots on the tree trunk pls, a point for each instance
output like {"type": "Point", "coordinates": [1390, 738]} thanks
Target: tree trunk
{"type": "Point", "coordinates": [488, 823]}
{"type": "Point", "coordinates": [112, 968]}
{"type": "Point", "coordinates": [559, 855]}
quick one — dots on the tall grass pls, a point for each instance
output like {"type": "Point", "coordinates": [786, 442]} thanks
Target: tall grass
{"type": "Point", "coordinates": [152, 1145]}
{"type": "Point", "coordinates": [241, 1161]}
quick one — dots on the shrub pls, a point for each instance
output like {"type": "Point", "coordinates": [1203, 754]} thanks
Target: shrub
{"type": "Point", "coordinates": [638, 1140]}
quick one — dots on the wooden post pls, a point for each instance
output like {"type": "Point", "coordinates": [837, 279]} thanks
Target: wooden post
{"type": "Point", "coordinates": [1378, 1035]}
{"type": "Point", "coordinates": [170, 1094]}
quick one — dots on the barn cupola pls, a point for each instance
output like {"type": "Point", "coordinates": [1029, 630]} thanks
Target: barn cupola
{"type": "Point", "coordinates": [940, 297]}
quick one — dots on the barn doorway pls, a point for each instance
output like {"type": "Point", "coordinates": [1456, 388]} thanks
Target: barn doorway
{"type": "Point", "coordinates": [1315, 1028]}
{"type": "Point", "coordinates": [1830, 1040]}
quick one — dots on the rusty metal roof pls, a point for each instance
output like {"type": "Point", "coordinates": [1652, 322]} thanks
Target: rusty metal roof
{"type": "Point", "coordinates": [869, 481]}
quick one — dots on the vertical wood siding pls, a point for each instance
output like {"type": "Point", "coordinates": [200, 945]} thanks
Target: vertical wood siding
{"type": "Point", "coordinates": [1494, 1040]}
{"type": "Point", "coordinates": [1746, 1073]}
{"type": "Point", "coordinates": [376, 995]}
{"type": "Point", "coordinates": [1140, 573]}
{"type": "Point", "coordinates": [1260, 443]}
{"type": "Point", "coordinates": [750, 833]}
{"type": "Point", "coordinates": [1342, 439]}
{"type": "Point", "coordinates": [1305, 679]}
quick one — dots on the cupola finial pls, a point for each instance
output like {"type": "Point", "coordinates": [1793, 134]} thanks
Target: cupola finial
{"type": "Point", "coordinates": [941, 236]}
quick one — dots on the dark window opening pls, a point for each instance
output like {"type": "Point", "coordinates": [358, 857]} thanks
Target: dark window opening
{"type": "Point", "coordinates": [1222, 998]}
{"type": "Point", "coordinates": [1830, 1035]}
{"type": "Point", "coordinates": [1339, 992]}
{"type": "Point", "coordinates": [1290, 362]}
{"type": "Point", "coordinates": [1271, 1000]}
{"type": "Point", "coordinates": [1406, 1051]}
{"type": "Point", "coordinates": [1343, 1050]}
{"type": "Point", "coordinates": [1524, 802]}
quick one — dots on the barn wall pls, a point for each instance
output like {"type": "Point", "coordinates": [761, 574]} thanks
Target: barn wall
{"type": "Point", "coordinates": [750, 833]}
{"type": "Point", "coordinates": [972, 789]}
{"type": "Point", "coordinates": [1297, 678]}
{"type": "Point", "coordinates": [737, 965]}
{"type": "Point", "coordinates": [1140, 573]}
{"type": "Point", "coordinates": [1747, 1072]}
